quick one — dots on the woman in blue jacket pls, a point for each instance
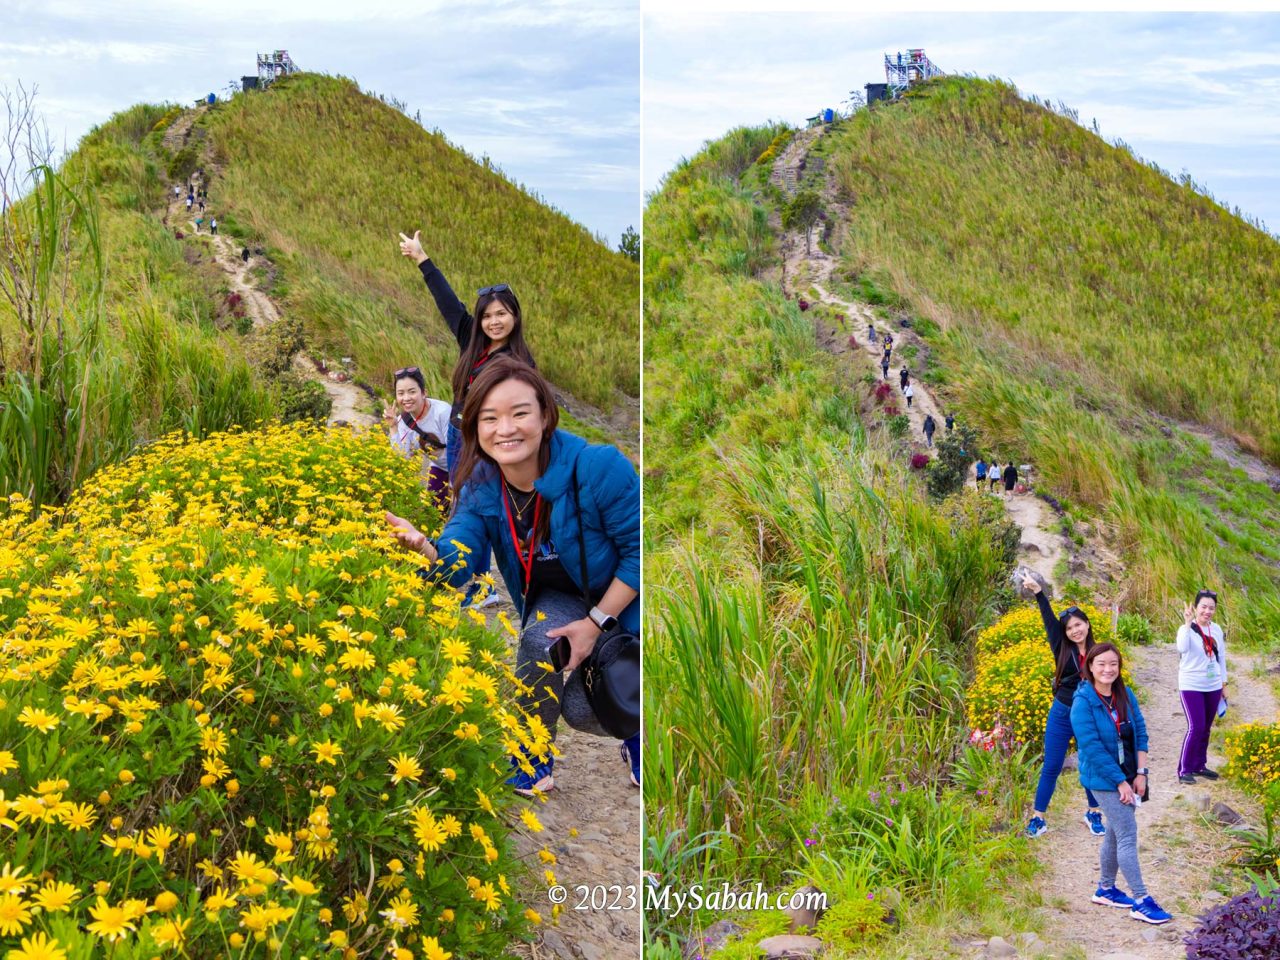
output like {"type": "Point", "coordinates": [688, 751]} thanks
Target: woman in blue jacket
{"type": "Point", "coordinates": [1070, 637]}
{"type": "Point", "coordinates": [1112, 737]}
{"type": "Point", "coordinates": [516, 497]}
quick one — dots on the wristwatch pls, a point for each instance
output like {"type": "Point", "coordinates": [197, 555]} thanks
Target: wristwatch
{"type": "Point", "coordinates": [1142, 772]}
{"type": "Point", "coordinates": [605, 621]}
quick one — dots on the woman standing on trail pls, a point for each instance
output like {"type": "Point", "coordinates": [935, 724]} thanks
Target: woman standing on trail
{"type": "Point", "coordinates": [908, 391]}
{"type": "Point", "coordinates": [1112, 736]}
{"type": "Point", "coordinates": [929, 425]}
{"type": "Point", "coordinates": [981, 470]}
{"type": "Point", "coordinates": [418, 422]}
{"type": "Point", "coordinates": [549, 505]}
{"type": "Point", "coordinates": [1202, 680]}
{"type": "Point", "coordinates": [904, 377]}
{"type": "Point", "coordinates": [1070, 637]}
{"type": "Point", "coordinates": [492, 329]}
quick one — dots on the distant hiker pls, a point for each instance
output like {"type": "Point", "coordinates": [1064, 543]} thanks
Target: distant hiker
{"type": "Point", "coordinates": [884, 369]}
{"type": "Point", "coordinates": [563, 518]}
{"type": "Point", "coordinates": [177, 191]}
{"type": "Point", "coordinates": [908, 391]}
{"type": "Point", "coordinates": [1070, 637]}
{"type": "Point", "coordinates": [1010, 478]}
{"type": "Point", "coordinates": [201, 202]}
{"type": "Point", "coordinates": [930, 425]}
{"type": "Point", "coordinates": [244, 255]}
{"type": "Point", "coordinates": [494, 328]}
{"type": "Point", "coordinates": [1111, 737]}
{"type": "Point", "coordinates": [213, 226]}
{"type": "Point", "coordinates": [982, 473]}
{"type": "Point", "coordinates": [189, 201]}
{"type": "Point", "coordinates": [871, 332]}
{"type": "Point", "coordinates": [418, 422]}
{"type": "Point", "coordinates": [199, 220]}
{"type": "Point", "coordinates": [1202, 682]}
{"type": "Point", "coordinates": [888, 342]}
{"type": "Point", "coordinates": [951, 422]}
{"type": "Point", "coordinates": [993, 475]}
{"type": "Point", "coordinates": [904, 377]}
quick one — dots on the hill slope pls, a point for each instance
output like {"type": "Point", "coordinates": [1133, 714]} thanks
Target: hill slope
{"type": "Point", "coordinates": [328, 177]}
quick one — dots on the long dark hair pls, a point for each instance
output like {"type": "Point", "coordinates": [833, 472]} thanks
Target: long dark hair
{"type": "Point", "coordinates": [499, 370]}
{"type": "Point", "coordinates": [480, 341]}
{"type": "Point", "coordinates": [1067, 652]}
{"type": "Point", "coordinates": [1118, 692]}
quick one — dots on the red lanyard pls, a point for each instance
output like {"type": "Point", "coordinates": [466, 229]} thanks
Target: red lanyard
{"type": "Point", "coordinates": [1209, 640]}
{"type": "Point", "coordinates": [525, 565]}
{"type": "Point", "coordinates": [1113, 714]}
{"type": "Point", "coordinates": [475, 367]}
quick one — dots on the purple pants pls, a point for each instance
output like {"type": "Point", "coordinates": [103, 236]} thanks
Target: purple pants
{"type": "Point", "coordinates": [1200, 709]}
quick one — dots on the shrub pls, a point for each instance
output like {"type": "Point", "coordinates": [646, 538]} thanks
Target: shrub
{"type": "Point", "coordinates": [883, 391]}
{"type": "Point", "coordinates": [804, 305]}
{"type": "Point", "coordinates": [954, 455]}
{"type": "Point", "coordinates": [1246, 927]}
{"type": "Point", "coordinates": [919, 461]}
{"type": "Point", "coordinates": [1253, 754]}
{"type": "Point", "coordinates": [899, 424]}
{"type": "Point", "coordinates": [302, 399]}
{"type": "Point", "coordinates": [234, 714]}
{"type": "Point", "coordinates": [1134, 628]}
{"type": "Point", "coordinates": [853, 923]}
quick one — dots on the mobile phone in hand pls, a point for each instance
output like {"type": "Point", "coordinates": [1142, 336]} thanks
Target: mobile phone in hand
{"type": "Point", "coordinates": [561, 651]}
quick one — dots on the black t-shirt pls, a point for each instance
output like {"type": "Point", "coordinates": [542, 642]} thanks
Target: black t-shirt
{"type": "Point", "coordinates": [548, 572]}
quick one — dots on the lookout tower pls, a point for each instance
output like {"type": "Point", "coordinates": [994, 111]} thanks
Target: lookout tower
{"type": "Point", "coordinates": [907, 68]}
{"type": "Point", "coordinates": [274, 64]}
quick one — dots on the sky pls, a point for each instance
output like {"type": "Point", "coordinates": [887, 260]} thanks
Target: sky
{"type": "Point", "coordinates": [549, 90]}
{"type": "Point", "coordinates": [1193, 92]}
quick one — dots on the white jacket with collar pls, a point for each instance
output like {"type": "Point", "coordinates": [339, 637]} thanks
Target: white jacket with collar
{"type": "Point", "coordinates": [1196, 671]}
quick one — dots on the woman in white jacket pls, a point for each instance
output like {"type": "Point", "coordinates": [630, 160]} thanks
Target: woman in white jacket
{"type": "Point", "coordinates": [1202, 676]}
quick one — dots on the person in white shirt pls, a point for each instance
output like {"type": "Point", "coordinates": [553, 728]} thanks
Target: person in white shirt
{"type": "Point", "coordinates": [1202, 677]}
{"type": "Point", "coordinates": [418, 422]}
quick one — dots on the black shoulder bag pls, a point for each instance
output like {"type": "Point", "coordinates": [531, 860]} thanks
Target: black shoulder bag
{"type": "Point", "coordinates": [611, 673]}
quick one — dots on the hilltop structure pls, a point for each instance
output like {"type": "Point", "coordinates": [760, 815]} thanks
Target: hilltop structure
{"type": "Point", "coordinates": [278, 63]}
{"type": "Point", "coordinates": [902, 71]}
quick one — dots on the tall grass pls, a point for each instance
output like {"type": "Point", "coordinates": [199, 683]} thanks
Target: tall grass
{"type": "Point", "coordinates": [810, 611]}
{"type": "Point", "coordinates": [1076, 290]}
{"type": "Point", "coordinates": [328, 177]}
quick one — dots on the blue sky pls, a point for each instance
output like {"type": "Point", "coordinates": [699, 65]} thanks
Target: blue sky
{"type": "Point", "coordinates": [1194, 92]}
{"type": "Point", "coordinates": [548, 90]}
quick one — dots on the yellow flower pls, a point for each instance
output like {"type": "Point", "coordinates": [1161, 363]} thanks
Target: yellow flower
{"type": "Point", "coordinates": [11, 880]}
{"type": "Point", "coordinates": [302, 886]}
{"type": "Point", "coordinates": [110, 922]}
{"type": "Point", "coordinates": [15, 914]}
{"type": "Point", "coordinates": [432, 950]}
{"type": "Point", "coordinates": [162, 838]}
{"type": "Point", "coordinates": [531, 820]}
{"type": "Point", "coordinates": [38, 719]}
{"type": "Point", "coordinates": [171, 932]}
{"type": "Point", "coordinates": [126, 776]}
{"type": "Point", "coordinates": [404, 767]}
{"type": "Point", "coordinates": [55, 897]}
{"type": "Point", "coordinates": [38, 947]}
{"type": "Point", "coordinates": [7, 762]}
{"type": "Point", "coordinates": [326, 752]}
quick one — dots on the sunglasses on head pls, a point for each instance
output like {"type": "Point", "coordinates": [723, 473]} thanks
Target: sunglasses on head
{"type": "Point", "coordinates": [496, 288]}
{"type": "Point", "coordinates": [405, 372]}
{"type": "Point", "coordinates": [1210, 594]}
{"type": "Point", "coordinates": [1071, 612]}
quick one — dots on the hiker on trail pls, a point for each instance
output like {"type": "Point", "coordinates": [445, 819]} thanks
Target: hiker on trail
{"type": "Point", "coordinates": [930, 425]}
{"type": "Point", "coordinates": [494, 328]}
{"type": "Point", "coordinates": [951, 422]}
{"type": "Point", "coordinates": [871, 332]}
{"type": "Point", "coordinates": [189, 203]}
{"type": "Point", "coordinates": [904, 377]}
{"type": "Point", "coordinates": [213, 227]}
{"type": "Point", "coordinates": [550, 506]}
{"type": "Point", "coordinates": [1010, 478]}
{"type": "Point", "coordinates": [201, 203]}
{"type": "Point", "coordinates": [177, 191]}
{"type": "Point", "coordinates": [1202, 681]}
{"type": "Point", "coordinates": [418, 422]}
{"type": "Point", "coordinates": [908, 391]}
{"type": "Point", "coordinates": [199, 220]}
{"type": "Point", "coordinates": [1112, 738]}
{"type": "Point", "coordinates": [993, 475]}
{"type": "Point", "coordinates": [244, 254]}
{"type": "Point", "coordinates": [888, 342]}
{"type": "Point", "coordinates": [982, 473]}
{"type": "Point", "coordinates": [884, 369]}
{"type": "Point", "coordinates": [1070, 637]}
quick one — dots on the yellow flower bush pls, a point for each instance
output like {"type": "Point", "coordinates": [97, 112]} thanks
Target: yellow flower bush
{"type": "Point", "coordinates": [233, 717]}
{"type": "Point", "coordinates": [1013, 672]}
{"type": "Point", "coordinates": [1253, 754]}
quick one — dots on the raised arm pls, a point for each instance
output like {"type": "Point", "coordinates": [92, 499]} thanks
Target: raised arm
{"type": "Point", "coordinates": [453, 310]}
{"type": "Point", "coordinates": [1052, 628]}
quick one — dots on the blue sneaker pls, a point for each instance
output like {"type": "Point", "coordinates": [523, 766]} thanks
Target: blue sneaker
{"type": "Point", "coordinates": [631, 754]}
{"type": "Point", "coordinates": [524, 784]}
{"type": "Point", "coordinates": [1093, 819]}
{"type": "Point", "coordinates": [1037, 827]}
{"type": "Point", "coordinates": [1148, 911]}
{"type": "Point", "coordinates": [1113, 897]}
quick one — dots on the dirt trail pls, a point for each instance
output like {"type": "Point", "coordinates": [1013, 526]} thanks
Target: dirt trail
{"type": "Point", "coordinates": [1178, 850]}
{"type": "Point", "coordinates": [594, 794]}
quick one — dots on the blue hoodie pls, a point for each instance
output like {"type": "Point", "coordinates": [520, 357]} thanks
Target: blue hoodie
{"type": "Point", "coordinates": [609, 489]}
{"type": "Point", "coordinates": [1096, 737]}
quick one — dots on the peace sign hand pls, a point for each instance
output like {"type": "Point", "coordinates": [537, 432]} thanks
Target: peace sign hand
{"type": "Point", "coordinates": [1189, 614]}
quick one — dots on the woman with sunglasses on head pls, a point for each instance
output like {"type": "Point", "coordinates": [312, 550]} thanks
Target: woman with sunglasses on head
{"type": "Point", "coordinates": [1070, 637]}
{"type": "Point", "coordinates": [548, 505]}
{"type": "Point", "coordinates": [418, 422]}
{"type": "Point", "coordinates": [1202, 680]}
{"type": "Point", "coordinates": [1112, 736]}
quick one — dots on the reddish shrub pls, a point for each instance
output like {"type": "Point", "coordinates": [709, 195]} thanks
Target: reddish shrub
{"type": "Point", "coordinates": [804, 305]}
{"type": "Point", "coordinates": [891, 410]}
{"type": "Point", "coordinates": [919, 460]}
{"type": "Point", "coordinates": [883, 389]}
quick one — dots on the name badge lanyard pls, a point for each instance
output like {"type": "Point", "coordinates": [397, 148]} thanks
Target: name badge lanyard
{"type": "Point", "coordinates": [525, 564]}
{"type": "Point", "coordinates": [1210, 648]}
{"type": "Point", "coordinates": [1115, 719]}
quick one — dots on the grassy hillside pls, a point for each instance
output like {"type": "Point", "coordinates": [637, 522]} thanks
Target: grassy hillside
{"type": "Point", "coordinates": [123, 341]}
{"type": "Point", "coordinates": [1071, 293]}
{"type": "Point", "coordinates": [328, 177]}
{"type": "Point", "coordinates": [809, 613]}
